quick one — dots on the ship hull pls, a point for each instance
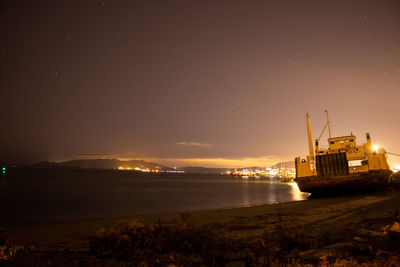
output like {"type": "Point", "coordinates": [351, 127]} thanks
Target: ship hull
{"type": "Point", "coordinates": [353, 183]}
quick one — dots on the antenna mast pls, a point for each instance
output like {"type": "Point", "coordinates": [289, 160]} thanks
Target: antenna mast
{"type": "Point", "coordinates": [328, 122]}
{"type": "Point", "coordinates": [310, 144]}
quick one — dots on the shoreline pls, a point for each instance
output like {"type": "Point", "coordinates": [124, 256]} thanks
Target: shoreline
{"type": "Point", "coordinates": [71, 233]}
{"type": "Point", "coordinates": [335, 214]}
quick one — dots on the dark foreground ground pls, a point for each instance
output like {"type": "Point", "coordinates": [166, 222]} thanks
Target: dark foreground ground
{"type": "Point", "coordinates": [339, 231]}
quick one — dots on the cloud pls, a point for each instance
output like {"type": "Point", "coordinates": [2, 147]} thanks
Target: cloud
{"type": "Point", "coordinates": [122, 156]}
{"type": "Point", "coordinates": [193, 144]}
{"type": "Point", "coordinates": [94, 156]}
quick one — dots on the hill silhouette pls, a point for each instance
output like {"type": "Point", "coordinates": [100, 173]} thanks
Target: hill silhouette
{"type": "Point", "coordinates": [102, 164]}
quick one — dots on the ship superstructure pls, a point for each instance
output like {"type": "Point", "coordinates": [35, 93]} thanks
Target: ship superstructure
{"type": "Point", "coordinates": [342, 165]}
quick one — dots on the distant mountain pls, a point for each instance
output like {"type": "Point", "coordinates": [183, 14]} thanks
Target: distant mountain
{"type": "Point", "coordinates": [286, 164]}
{"type": "Point", "coordinates": [102, 164]}
{"type": "Point", "coordinates": [115, 164]}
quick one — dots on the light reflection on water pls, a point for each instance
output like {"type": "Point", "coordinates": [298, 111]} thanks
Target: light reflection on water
{"type": "Point", "coordinates": [296, 193]}
{"type": "Point", "coordinates": [54, 195]}
{"type": "Point", "coordinates": [245, 193]}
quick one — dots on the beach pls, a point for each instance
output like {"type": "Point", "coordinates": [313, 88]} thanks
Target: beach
{"type": "Point", "coordinates": [333, 224]}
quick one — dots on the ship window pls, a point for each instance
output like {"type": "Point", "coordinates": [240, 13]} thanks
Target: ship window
{"type": "Point", "coordinates": [355, 163]}
{"type": "Point", "coordinates": [332, 142]}
{"type": "Point", "coordinates": [351, 140]}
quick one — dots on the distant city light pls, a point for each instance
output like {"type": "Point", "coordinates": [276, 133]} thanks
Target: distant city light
{"type": "Point", "coordinates": [156, 170]}
{"type": "Point", "coordinates": [286, 173]}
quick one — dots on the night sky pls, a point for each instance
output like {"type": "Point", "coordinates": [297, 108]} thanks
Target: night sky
{"type": "Point", "coordinates": [200, 83]}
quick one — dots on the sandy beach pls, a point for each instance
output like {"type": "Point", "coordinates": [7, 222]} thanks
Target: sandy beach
{"type": "Point", "coordinates": [336, 220]}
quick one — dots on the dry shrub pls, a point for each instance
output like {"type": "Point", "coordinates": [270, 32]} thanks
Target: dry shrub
{"type": "Point", "coordinates": [184, 245]}
{"type": "Point", "coordinates": [178, 243]}
{"type": "Point", "coordinates": [9, 247]}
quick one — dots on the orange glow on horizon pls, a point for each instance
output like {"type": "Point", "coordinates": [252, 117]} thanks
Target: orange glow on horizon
{"type": "Point", "coordinates": [216, 162]}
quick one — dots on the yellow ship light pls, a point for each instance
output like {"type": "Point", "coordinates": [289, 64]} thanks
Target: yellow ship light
{"type": "Point", "coordinates": [375, 148]}
{"type": "Point", "coordinates": [397, 169]}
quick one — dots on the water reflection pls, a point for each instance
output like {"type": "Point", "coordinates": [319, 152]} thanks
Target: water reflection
{"type": "Point", "coordinates": [272, 195]}
{"type": "Point", "coordinates": [59, 195]}
{"type": "Point", "coordinates": [296, 193]}
{"type": "Point", "coordinates": [256, 192]}
{"type": "Point", "coordinates": [245, 193]}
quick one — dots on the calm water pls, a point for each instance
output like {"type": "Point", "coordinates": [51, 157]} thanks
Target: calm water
{"type": "Point", "coordinates": [39, 195]}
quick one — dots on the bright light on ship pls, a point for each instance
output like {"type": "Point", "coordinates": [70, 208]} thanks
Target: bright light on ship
{"type": "Point", "coordinates": [375, 148]}
{"type": "Point", "coordinates": [396, 169]}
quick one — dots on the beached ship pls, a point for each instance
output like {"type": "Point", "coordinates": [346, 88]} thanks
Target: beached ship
{"type": "Point", "coordinates": [343, 166]}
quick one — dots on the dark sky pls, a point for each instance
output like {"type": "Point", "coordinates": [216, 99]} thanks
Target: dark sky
{"type": "Point", "coordinates": [197, 82]}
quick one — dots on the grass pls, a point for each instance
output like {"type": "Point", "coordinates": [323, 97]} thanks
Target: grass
{"type": "Point", "coordinates": [181, 244]}
{"type": "Point", "coordinates": [373, 241]}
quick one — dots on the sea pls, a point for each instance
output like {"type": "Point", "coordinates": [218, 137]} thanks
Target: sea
{"type": "Point", "coordinates": [35, 196]}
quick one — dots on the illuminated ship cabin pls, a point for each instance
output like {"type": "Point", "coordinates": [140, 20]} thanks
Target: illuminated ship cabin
{"type": "Point", "coordinates": [360, 158]}
{"type": "Point", "coordinates": [342, 163]}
